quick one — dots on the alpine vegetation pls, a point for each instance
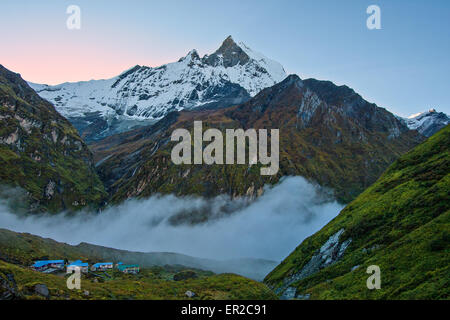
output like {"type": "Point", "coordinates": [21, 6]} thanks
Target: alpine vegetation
{"type": "Point", "coordinates": [213, 153]}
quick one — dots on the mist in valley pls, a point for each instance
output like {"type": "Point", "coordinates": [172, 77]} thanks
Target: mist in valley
{"type": "Point", "coordinates": [269, 227]}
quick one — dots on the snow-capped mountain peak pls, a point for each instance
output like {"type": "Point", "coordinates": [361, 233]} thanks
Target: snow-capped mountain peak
{"type": "Point", "coordinates": [428, 122]}
{"type": "Point", "coordinates": [230, 75]}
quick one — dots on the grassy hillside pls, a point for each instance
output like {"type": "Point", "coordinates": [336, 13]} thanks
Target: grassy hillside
{"type": "Point", "coordinates": [401, 223]}
{"type": "Point", "coordinates": [150, 283]}
{"type": "Point", "coordinates": [18, 251]}
{"type": "Point", "coordinates": [25, 248]}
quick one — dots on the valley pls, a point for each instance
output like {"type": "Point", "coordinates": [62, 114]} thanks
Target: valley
{"type": "Point", "coordinates": [88, 172]}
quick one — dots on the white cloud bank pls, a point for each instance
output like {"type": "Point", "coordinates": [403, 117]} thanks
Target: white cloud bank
{"type": "Point", "coordinates": [270, 227]}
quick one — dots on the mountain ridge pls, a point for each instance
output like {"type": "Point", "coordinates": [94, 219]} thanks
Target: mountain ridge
{"type": "Point", "coordinates": [328, 143]}
{"type": "Point", "coordinates": [230, 75]}
{"type": "Point", "coordinates": [428, 122]}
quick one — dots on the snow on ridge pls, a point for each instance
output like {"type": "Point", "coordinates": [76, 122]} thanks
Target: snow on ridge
{"type": "Point", "coordinates": [143, 92]}
{"type": "Point", "coordinates": [74, 99]}
{"type": "Point", "coordinates": [427, 123]}
{"type": "Point", "coordinates": [415, 115]}
{"type": "Point", "coordinates": [274, 68]}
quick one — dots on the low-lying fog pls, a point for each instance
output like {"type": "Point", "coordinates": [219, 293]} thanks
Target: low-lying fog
{"type": "Point", "coordinates": [269, 227]}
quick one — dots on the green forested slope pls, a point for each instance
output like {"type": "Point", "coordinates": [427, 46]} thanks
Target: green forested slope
{"type": "Point", "coordinates": [401, 223]}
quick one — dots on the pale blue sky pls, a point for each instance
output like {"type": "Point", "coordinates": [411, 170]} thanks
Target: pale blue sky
{"type": "Point", "coordinates": [403, 67]}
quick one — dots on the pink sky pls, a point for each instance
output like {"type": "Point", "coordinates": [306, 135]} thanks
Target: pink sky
{"type": "Point", "coordinates": [54, 63]}
{"type": "Point", "coordinates": [39, 46]}
{"type": "Point", "coordinates": [403, 67]}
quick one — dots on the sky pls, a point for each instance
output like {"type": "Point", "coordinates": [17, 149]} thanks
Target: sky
{"type": "Point", "coordinates": [403, 67]}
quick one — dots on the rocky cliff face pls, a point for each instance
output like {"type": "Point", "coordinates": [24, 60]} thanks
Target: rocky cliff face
{"type": "Point", "coordinates": [328, 134]}
{"type": "Point", "coordinates": [399, 224]}
{"type": "Point", "coordinates": [229, 76]}
{"type": "Point", "coordinates": [41, 152]}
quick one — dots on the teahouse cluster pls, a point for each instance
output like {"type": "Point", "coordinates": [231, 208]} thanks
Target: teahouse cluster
{"type": "Point", "coordinates": [49, 266]}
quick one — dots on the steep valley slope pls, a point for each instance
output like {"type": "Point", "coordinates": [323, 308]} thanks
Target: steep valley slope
{"type": "Point", "coordinates": [401, 224]}
{"type": "Point", "coordinates": [42, 153]}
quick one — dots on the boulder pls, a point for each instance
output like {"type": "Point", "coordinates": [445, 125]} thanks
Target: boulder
{"type": "Point", "coordinates": [41, 289]}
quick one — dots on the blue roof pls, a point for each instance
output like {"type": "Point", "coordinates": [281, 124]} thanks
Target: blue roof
{"type": "Point", "coordinates": [41, 263]}
{"type": "Point", "coordinates": [126, 266]}
{"type": "Point", "coordinates": [85, 264]}
{"type": "Point", "coordinates": [102, 264]}
{"type": "Point", "coordinates": [78, 263]}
